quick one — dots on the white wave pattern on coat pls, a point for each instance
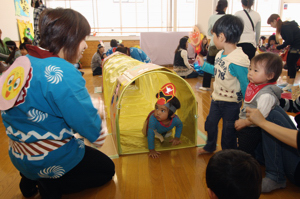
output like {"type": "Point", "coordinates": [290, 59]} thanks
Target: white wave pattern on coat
{"type": "Point", "coordinates": [53, 74]}
{"type": "Point", "coordinates": [36, 115]}
{"type": "Point", "coordinates": [52, 172]}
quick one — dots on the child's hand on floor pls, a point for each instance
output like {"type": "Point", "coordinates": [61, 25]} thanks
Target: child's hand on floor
{"type": "Point", "coordinates": [154, 154]}
{"type": "Point", "coordinates": [175, 141]}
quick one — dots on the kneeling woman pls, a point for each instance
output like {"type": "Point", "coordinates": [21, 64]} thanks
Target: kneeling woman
{"type": "Point", "coordinates": [181, 64]}
{"type": "Point", "coordinates": [54, 105]}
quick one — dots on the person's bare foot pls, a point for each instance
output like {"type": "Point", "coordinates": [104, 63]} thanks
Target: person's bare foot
{"type": "Point", "coordinates": [202, 151]}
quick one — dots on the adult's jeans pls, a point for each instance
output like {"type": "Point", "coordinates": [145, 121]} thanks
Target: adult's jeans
{"type": "Point", "coordinates": [280, 159]}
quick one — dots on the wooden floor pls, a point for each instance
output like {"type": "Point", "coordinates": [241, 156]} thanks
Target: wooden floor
{"type": "Point", "coordinates": [176, 174]}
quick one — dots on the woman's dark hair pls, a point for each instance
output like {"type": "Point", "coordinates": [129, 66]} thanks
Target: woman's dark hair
{"type": "Point", "coordinates": [63, 29]}
{"type": "Point", "coordinates": [232, 173]}
{"type": "Point", "coordinates": [124, 50]}
{"type": "Point", "coordinates": [272, 64]}
{"type": "Point", "coordinates": [36, 3]}
{"type": "Point", "coordinates": [278, 24]}
{"type": "Point", "coordinates": [204, 46]}
{"type": "Point", "coordinates": [231, 26]}
{"type": "Point", "coordinates": [221, 5]}
{"type": "Point", "coordinates": [11, 44]}
{"type": "Point", "coordinates": [182, 43]}
{"type": "Point", "coordinates": [113, 43]}
{"type": "Point", "coordinates": [272, 37]}
{"type": "Point", "coordinates": [23, 45]}
{"type": "Point", "coordinates": [248, 3]}
{"type": "Point", "coordinates": [27, 40]}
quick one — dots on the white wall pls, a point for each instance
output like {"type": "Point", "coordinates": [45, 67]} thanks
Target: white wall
{"type": "Point", "coordinates": [8, 20]}
{"type": "Point", "coordinates": [205, 10]}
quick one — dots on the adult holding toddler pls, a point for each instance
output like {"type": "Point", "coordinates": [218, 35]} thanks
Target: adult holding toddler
{"type": "Point", "coordinates": [252, 25]}
{"type": "Point", "coordinates": [290, 33]}
{"type": "Point", "coordinates": [55, 104]}
{"type": "Point", "coordinates": [262, 93]}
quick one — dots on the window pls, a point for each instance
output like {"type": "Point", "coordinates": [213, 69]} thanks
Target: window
{"type": "Point", "coordinates": [186, 15]}
{"type": "Point", "coordinates": [290, 12]}
{"type": "Point", "coordinates": [130, 17]}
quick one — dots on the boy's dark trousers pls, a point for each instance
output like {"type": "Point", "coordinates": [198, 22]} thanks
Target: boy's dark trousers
{"type": "Point", "coordinates": [229, 112]}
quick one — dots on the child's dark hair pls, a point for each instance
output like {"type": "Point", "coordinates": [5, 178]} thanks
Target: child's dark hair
{"type": "Point", "coordinates": [174, 102]}
{"type": "Point", "coordinates": [272, 37]}
{"type": "Point", "coordinates": [221, 5]}
{"type": "Point", "coordinates": [231, 26]}
{"type": "Point", "coordinates": [263, 38]}
{"type": "Point", "coordinates": [113, 43]}
{"type": "Point", "coordinates": [272, 64]}
{"type": "Point", "coordinates": [233, 173]}
{"type": "Point", "coordinates": [248, 3]}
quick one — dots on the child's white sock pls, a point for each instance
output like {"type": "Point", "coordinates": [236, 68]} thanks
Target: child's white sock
{"type": "Point", "coordinates": [269, 185]}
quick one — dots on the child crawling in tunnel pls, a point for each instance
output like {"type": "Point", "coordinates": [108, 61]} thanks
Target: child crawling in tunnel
{"type": "Point", "coordinates": [163, 119]}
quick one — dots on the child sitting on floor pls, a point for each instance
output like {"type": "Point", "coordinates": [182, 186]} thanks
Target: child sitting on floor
{"type": "Point", "coordinates": [162, 120]}
{"type": "Point", "coordinates": [233, 174]}
{"type": "Point", "coordinates": [230, 70]}
{"type": "Point", "coordinates": [262, 93]}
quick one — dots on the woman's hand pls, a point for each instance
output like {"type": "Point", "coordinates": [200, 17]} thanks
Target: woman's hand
{"type": "Point", "coordinates": [255, 116]}
{"type": "Point", "coordinates": [153, 153]}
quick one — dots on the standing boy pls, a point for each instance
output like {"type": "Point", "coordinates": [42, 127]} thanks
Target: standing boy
{"type": "Point", "coordinates": [230, 71]}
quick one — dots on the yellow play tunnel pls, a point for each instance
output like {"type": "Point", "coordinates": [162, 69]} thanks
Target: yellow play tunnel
{"type": "Point", "coordinates": [129, 88]}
